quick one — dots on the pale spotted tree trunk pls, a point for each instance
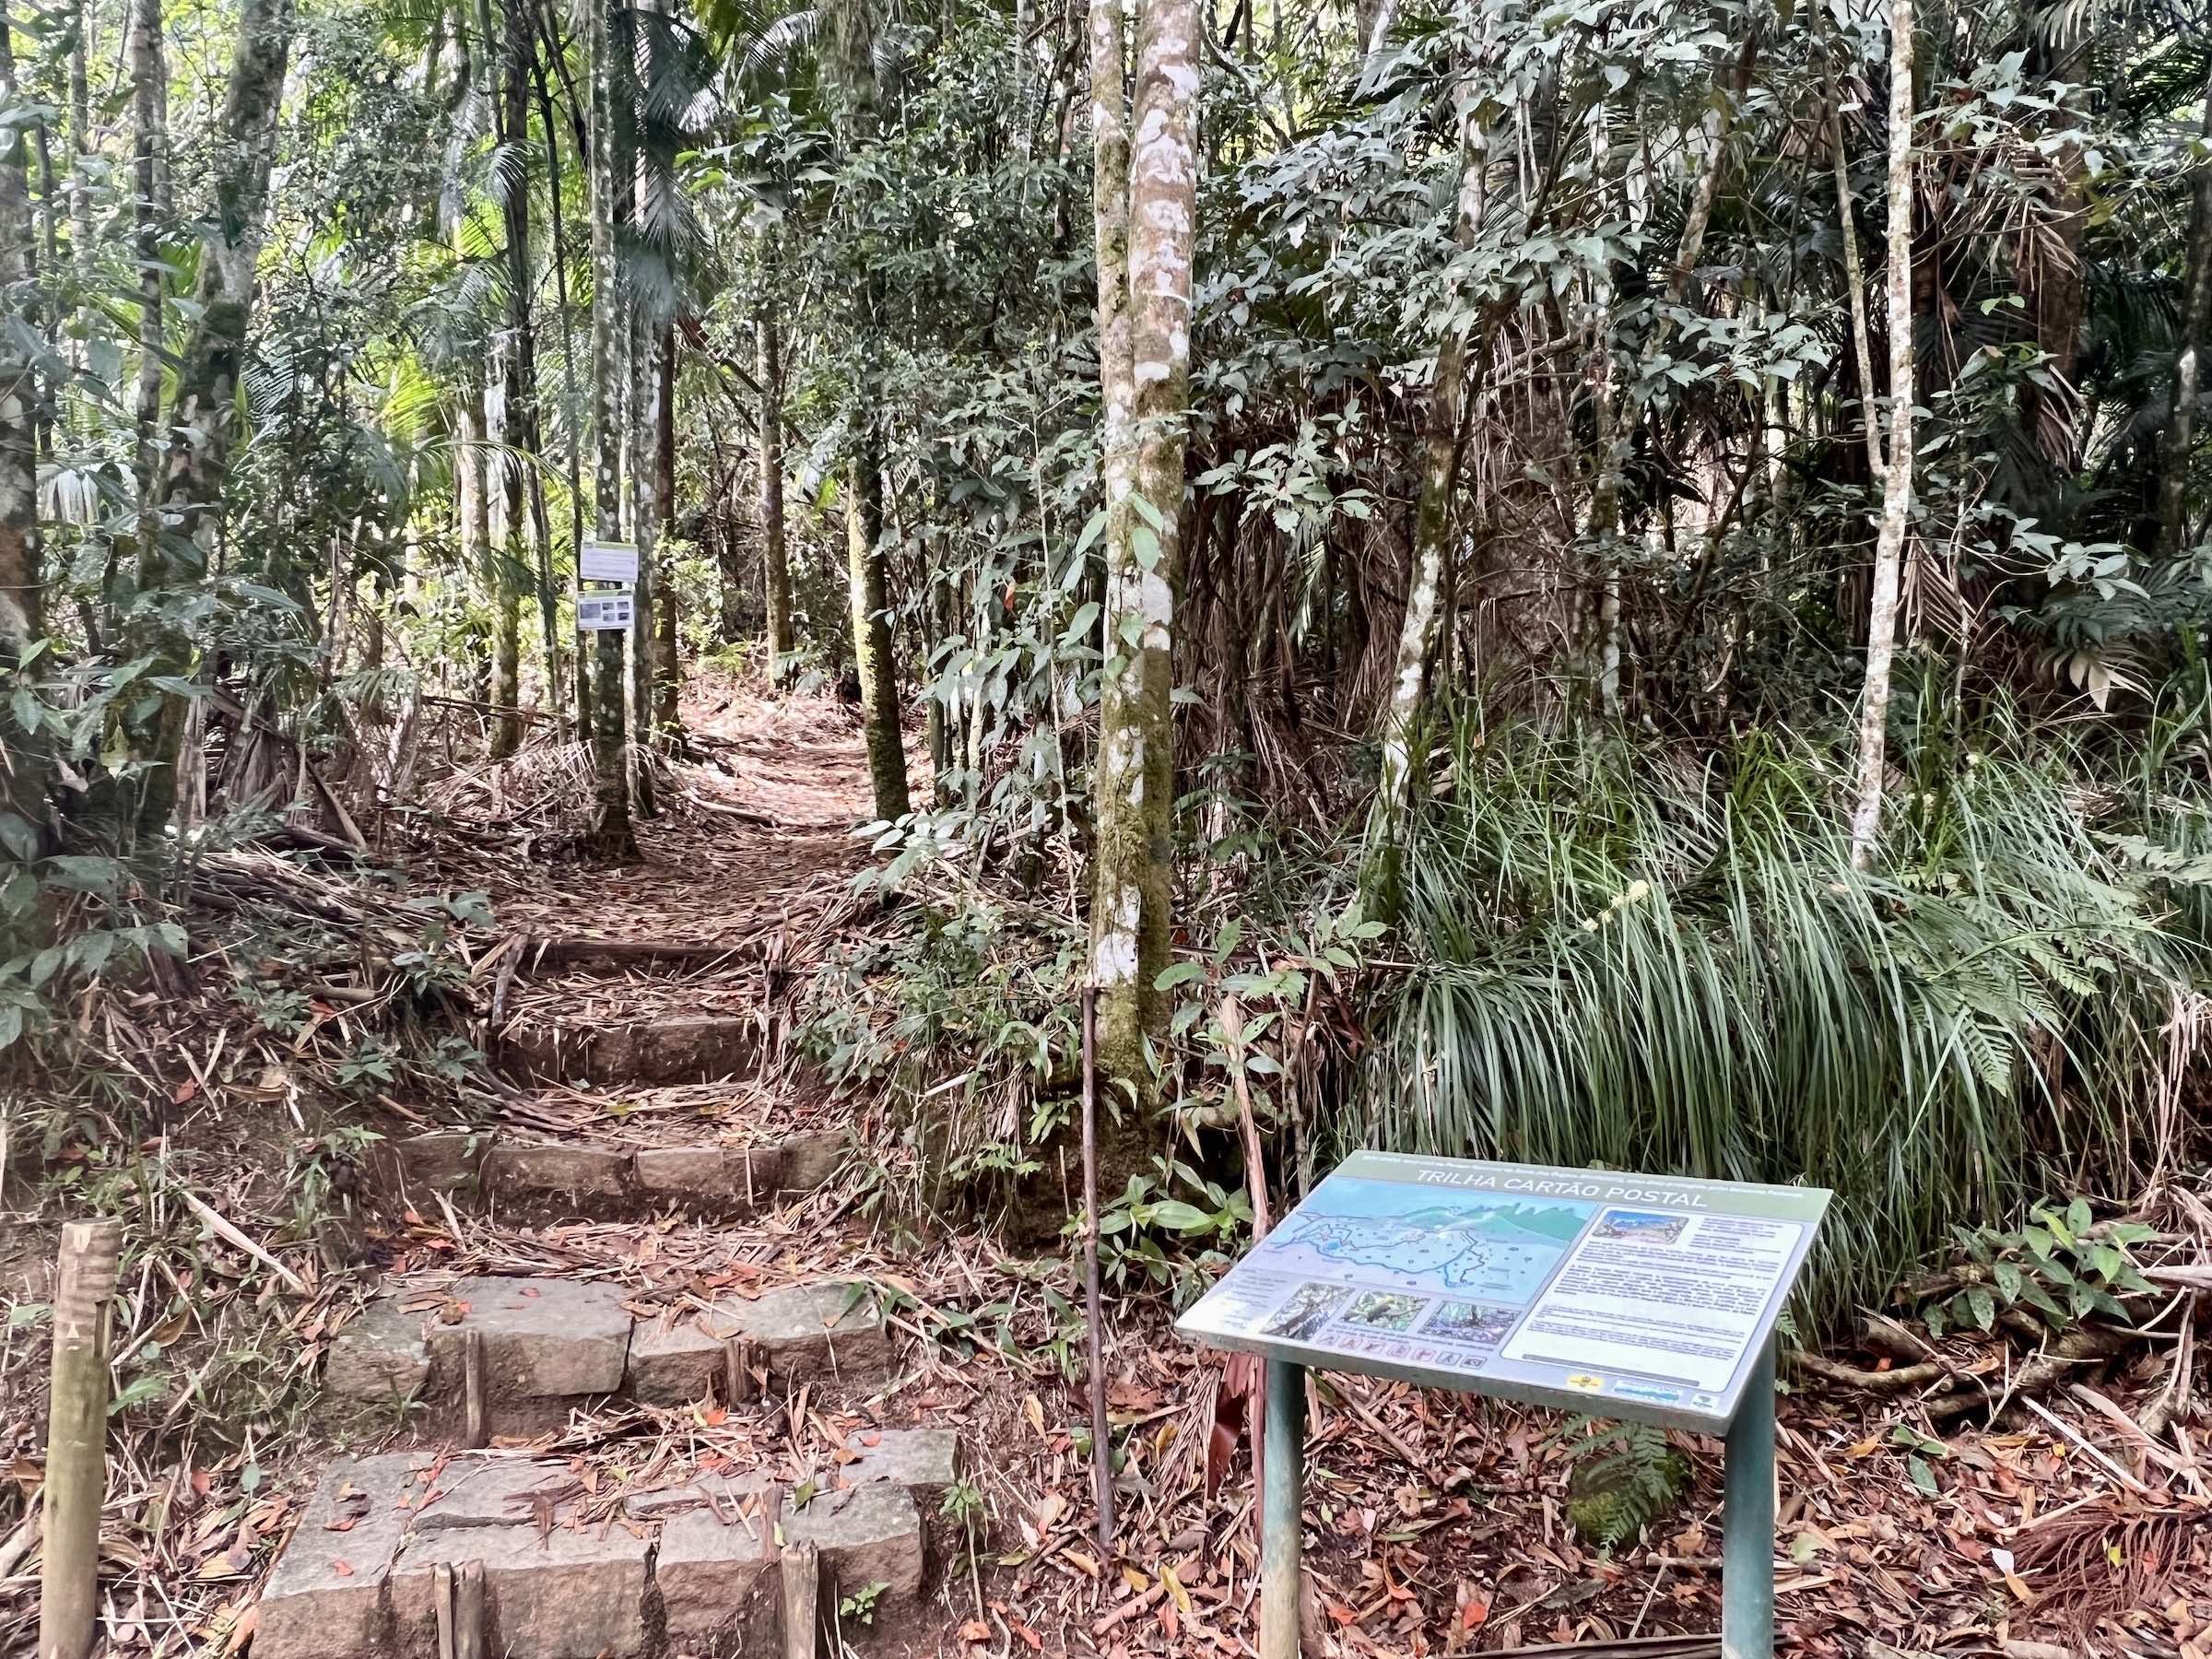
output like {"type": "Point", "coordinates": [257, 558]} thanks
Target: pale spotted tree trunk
{"type": "Point", "coordinates": [197, 465]}
{"type": "Point", "coordinates": [2188, 368]}
{"type": "Point", "coordinates": [23, 776]}
{"type": "Point", "coordinates": [775, 561]}
{"type": "Point", "coordinates": [1146, 155]}
{"type": "Point", "coordinates": [612, 836]}
{"type": "Point", "coordinates": [1896, 483]}
{"type": "Point", "coordinates": [1441, 448]}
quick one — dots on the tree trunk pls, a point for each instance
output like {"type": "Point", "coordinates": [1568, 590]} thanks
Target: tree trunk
{"type": "Point", "coordinates": [648, 368]}
{"type": "Point", "coordinates": [149, 138]}
{"type": "Point", "coordinates": [22, 594]}
{"type": "Point", "coordinates": [199, 421]}
{"type": "Point", "coordinates": [1145, 216]}
{"type": "Point", "coordinates": [872, 632]}
{"type": "Point", "coordinates": [667, 666]}
{"type": "Point", "coordinates": [775, 562]}
{"type": "Point", "coordinates": [1624, 400]}
{"type": "Point", "coordinates": [472, 492]}
{"type": "Point", "coordinates": [2188, 368]}
{"type": "Point", "coordinates": [83, 147]}
{"type": "Point", "coordinates": [612, 837]}
{"type": "Point", "coordinates": [1896, 483]}
{"type": "Point", "coordinates": [506, 557]}
{"type": "Point", "coordinates": [557, 220]}
{"type": "Point", "coordinates": [1855, 283]}
{"type": "Point", "coordinates": [525, 430]}
{"type": "Point", "coordinates": [1431, 541]}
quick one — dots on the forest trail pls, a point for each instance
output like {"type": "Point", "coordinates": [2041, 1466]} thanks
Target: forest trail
{"type": "Point", "coordinates": [650, 1358]}
{"type": "Point", "coordinates": [637, 1379]}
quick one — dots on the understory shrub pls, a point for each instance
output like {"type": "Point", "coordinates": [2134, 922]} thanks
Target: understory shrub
{"type": "Point", "coordinates": [1628, 958]}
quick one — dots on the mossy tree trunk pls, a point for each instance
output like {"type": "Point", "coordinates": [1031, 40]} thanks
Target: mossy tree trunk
{"type": "Point", "coordinates": [668, 668]}
{"type": "Point", "coordinates": [2180, 442]}
{"type": "Point", "coordinates": [647, 372]}
{"type": "Point", "coordinates": [23, 781]}
{"type": "Point", "coordinates": [612, 835]}
{"type": "Point", "coordinates": [149, 139]}
{"type": "Point", "coordinates": [775, 560]}
{"type": "Point", "coordinates": [197, 468]}
{"type": "Point", "coordinates": [529, 539]}
{"type": "Point", "coordinates": [870, 592]}
{"type": "Point", "coordinates": [1146, 158]}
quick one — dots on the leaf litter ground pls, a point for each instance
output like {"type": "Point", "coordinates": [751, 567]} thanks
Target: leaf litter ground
{"type": "Point", "coordinates": [1436, 1523]}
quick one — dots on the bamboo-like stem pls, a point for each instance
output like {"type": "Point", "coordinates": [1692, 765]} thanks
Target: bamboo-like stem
{"type": "Point", "coordinates": [77, 1464]}
{"type": "Point", "coordinates": [1101, 1446]}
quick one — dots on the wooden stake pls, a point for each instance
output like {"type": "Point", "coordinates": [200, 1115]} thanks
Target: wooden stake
{"type": "Point", "coordinates": [77, 1425]}
{"type": "Point", "coordinates": [471, 1641]}
{"type": "Point", "coordinates": [802, 1571]}
{"type": "Point", "coordinates": [445, 1601]}
{"type": "Point", "coordinates": [474, 1429]}
{"type": "Point", "coordinates": [1101, 1443]}
{"type": "Point", "coordinates": [741, 1358]}
{"type": "Point", "coordinates": [457, 1595]}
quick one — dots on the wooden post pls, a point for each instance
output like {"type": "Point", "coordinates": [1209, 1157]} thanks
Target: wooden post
{"type": "Point", "coordinates": [457, 1596]}
{"type": "Point", "coordinates": [802, 1572]}
{"type": "Point", "coordinates": [77, 1428]}
{"type": "Point", "coordinates": [471, 1640]}
{"type": "Point", "coordinates": [445, 1604]}
{"type": "Point", "coordinates": [1101, 1442]}
{"type": "Point", "coordinates": [740, 1359]}
{"type": "Point", "coordinates": [475, 1429]}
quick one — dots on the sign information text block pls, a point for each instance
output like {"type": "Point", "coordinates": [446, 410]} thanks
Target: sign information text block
{"type": "Point", "coordinates": [608, 562]}
{"type": "Point", "coordinates": [1628, 1295]}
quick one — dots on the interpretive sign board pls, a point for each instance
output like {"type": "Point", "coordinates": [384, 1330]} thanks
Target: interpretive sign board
{"type": "Point", "coordinates": [1644, 1297]}
{"type": "Point", "coordinates": [601, 613]}
{"type": "Point", "coordinates": [608, 562]}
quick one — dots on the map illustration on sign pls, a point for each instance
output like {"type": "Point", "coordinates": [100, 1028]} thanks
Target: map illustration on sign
{"type": "Point", "coordinates": [1466, 1244]}
{"type": "Point", "coordinates": [1632, 1295]}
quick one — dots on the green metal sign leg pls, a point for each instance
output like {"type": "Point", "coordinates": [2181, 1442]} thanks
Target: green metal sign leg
{"type": "Point", "coordinates": [1747, 1522]}
{"type": "Point", "coordinates": [1282, 1536]}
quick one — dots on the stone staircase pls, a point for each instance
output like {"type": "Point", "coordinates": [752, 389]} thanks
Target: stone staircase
{"type": "Point", "coordinates": [454, 1552]}
{"type": "Point", "coordinates": [532, 1176]}
{"type": "Point", "coordinates": [651, 1543]}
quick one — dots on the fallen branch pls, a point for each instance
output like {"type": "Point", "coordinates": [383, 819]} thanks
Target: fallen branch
{"type": "Point", "coordinates": [1896, 1381]}
{"type": "Point", "coordinates": [2088, 1346]}
{"type": "Point", "coordinates": [237, 1239]}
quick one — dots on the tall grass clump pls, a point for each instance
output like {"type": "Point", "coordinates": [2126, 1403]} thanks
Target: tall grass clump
{"type": "Point", "coordinates": [1651, 962]}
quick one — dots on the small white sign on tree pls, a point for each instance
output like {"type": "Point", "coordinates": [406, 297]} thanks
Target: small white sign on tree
{"type": "Point", "coordinates": [608, 562]}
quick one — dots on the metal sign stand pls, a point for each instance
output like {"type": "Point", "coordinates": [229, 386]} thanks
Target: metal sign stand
{"type": "Point", "coordinates": [1747, 1516]}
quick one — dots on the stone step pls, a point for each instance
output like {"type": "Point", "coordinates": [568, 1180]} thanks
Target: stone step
{"type": "Point", "coordinates": [684, 1569]}
{"type": "Point", "coordinates": [698, 1048]}
{"type": "Point", "coordinates": [606, 1180]}
{"type": "Point", "coordinates": [548, 1345]}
